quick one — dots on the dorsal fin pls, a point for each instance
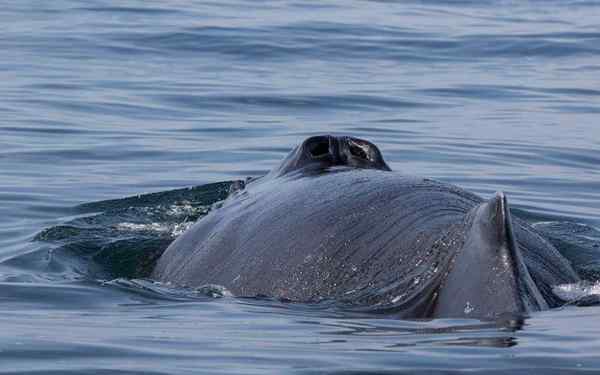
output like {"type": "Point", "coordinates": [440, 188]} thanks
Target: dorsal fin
{"type": "Point", "coordinates": [488, 275]}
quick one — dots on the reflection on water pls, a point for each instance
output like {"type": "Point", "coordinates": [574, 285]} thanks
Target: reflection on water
{"type": "Point", "coordinates": [102, 100]}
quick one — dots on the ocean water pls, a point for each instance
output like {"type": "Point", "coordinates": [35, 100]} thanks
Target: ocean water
{"type": "Point", "coordinates": [111, 99]}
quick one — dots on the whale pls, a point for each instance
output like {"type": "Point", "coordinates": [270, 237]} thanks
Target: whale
{"type": "Point", "coordinates": [333, 222]}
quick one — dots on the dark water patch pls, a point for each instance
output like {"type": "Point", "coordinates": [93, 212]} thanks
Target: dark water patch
{"type": "Point", "coordinates": [313, 5]}
{"type": "Point", "coordinates": [82, 155]}
{"type": "Point", "coordinates": [581, 68]}
{"type": "Point", "coordinates": [56, 86]}
{"type": "Point", "coordinates": [343, 41]}
{"type": "Point", "coordinates": [15, 195]}
{"type": "Point", "coordinates": [72, 296]}
{"type": "Point", "coordinates": [218, 131]}
{"type": "Point", "coordinates": [570, 157]}
{"type": "Point", "coordinates": [47, 130]}
{"type": "Point", "coordinates": [79, 48]}
{"type": "Point", "coordinates": [567, 155]}
{"type": "Point", "coordinates": [103, 153]}
{"type": "Point", "coordinates": [294, 102]}
{"type": "Point", "coordinates": [83, 46]}
{"type": "Point", "coordinates": [81, 351]}
{"type": "Point", "coordinates": [573, 108]}
{"type": "Point", "coordinates": [578, 36]}
{"type": "Point", "coordinates": [483, 92]}
{"type": "Point", "coordinates": [130, 10]}
{"type": "Point", "coordinates": [115, 109]}
{"type": "Point", "coordinates": [219, 41]}
{"type": "Point", "coordinates": [131, 258]}
{"type": "Point", "coordinates": [570, 91]}
{"type": "Point", "coordinates": [398, 121]}
{"type": "Point", "coordinates": [337, 29]}
{"type": "Point", "coordinates": [535, 45]}
{"type": "Point", "coordinates": [269, 149]}
{"type": "Point", "coordinates": [511, 19]}
{"type": "Point", "coordinates": [379, 130]}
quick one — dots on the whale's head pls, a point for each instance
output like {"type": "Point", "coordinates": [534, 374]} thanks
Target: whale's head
{"type": "Point", "coordinates": [321, 152]}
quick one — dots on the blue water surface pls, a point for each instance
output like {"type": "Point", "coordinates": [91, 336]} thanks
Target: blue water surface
{"type": "Point", "coordinates": [108, 99]}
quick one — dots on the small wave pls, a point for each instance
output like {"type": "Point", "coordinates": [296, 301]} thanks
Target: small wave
{"type": "Point", "coordinates": [158, 290]}
{"type": "Point", "coordinates": [129, 10]}
{"type": "Point", "coordinates": [123, 238]}
{"type": "Point", "coordinates": [582, 293]}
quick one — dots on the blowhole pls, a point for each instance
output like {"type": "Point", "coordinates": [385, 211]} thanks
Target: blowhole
{"type": "Point", "coordinates": [319, 148]}
{"type": "Point", "coordinates": [359, 150]}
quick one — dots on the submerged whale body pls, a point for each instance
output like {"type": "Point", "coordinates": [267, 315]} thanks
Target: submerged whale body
{"type": "Point", "coordinates": [333, 222]}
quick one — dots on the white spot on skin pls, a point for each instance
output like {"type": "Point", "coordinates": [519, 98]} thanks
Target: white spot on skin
{"type": "Point", "coordinates": [398, 298]}
{"type": "Point", "coordinates": [468, 308]}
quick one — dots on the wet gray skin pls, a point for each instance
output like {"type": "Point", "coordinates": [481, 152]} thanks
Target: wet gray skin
{"type": "Point", "coordinates": [334, 222]}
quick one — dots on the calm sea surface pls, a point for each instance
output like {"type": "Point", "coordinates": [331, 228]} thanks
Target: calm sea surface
{"type": "Point", "coordinates": [109, 99]}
